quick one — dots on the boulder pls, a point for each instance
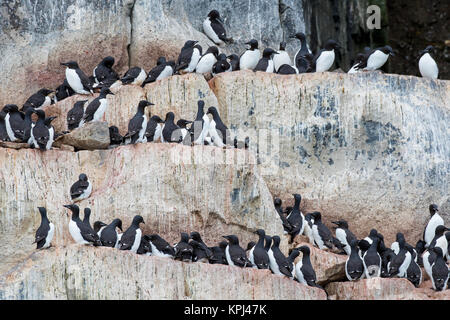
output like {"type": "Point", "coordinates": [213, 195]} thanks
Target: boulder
{"type": "Point", "coordinates": [382, 289]}
{"type": "Point", "coordinates": [78, 272]}
{"type": "Point", "coordinates": [91, 136]}
{"type": "Point", "coordinates": [175, 188]}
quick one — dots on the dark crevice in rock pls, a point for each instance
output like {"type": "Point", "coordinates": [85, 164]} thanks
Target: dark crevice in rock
{"type": "Point", "coordinates": [130, 15]}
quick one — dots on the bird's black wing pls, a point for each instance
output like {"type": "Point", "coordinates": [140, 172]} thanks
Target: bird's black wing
{"type": "Point", "coordinates": [326, 235]}
{"type": "Point", "coordinates": [153, 74]}
{"type": "Point", "coordinates": [184, 58]}
{"type": "Point", "coordinates": [262, 65]}
{"type": "Point", "coordinates": [75, 114]}
{"type": "Point", "coordinates": [363, 62]}
{"type": "Point", "coordinates": [223, 132]}
{"type": "Point", "coordinates": [103, 74]}
{"type": "Point", "coordinates": [127, 240]}
{"type": "Point", "coordinates": [108, 237]}
{"type": "Point", "coordinates": [91, 108]}
{"type": "Point", "coordinates": [87, 84]}
{"type": "Point", "coordinates": [134, 126]}
{"type": "Point", "coordinates": [130, 75]}
{"type": "Point", "coordinates": [77, 189]}
{"type": "Point", "coordinates": [35, 101]}
{"type": "Point", "coordinates": [219, 30]}
{"type": "Point", "coordinates": [41, 233]}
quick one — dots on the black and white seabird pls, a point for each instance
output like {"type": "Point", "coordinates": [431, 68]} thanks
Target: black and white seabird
{"type": "Point", "coordinates": [303, 50]}
{"type": "Point", "coordinates": [162, 70]}
{"type": "Point", "coordinates": [81, 189]}
{"type": "Point", "coordinates": [115, 137]}
{"type": "Point", "coordinates": [375, 58]}
{"type": "Point", "coordinates": [189, 56]}
{"type": "Point", "coordinates": [154, 129]}
{"type": "Point", "coordinates": [96, 108]}
{"type": "Point", "coordinates": [221, 65]}
{"type": "Point", "coordinates": [185, 131]}
{"type": "Point", "coordinates": [3, 133]}
{"type": "Point", "coordinates": [201, 251]}
{"type": "Point", "coordinates": [103, 73]}
{"type": "Point", "coordinates": [413, 273]}
{"type": "Point", "coordinates": [14, 122]}
{"type": "Point", "coordinates": [86, 222]}
{"type": "Point", "coordinates": [435, 221]}
{"type": "Point", "coordinates": [281, 58]}
{"type": "Point", "coordinates": [40, 99]}
{"type": "Point", "coordinates": [249, 59]}
{"type": "Point", "coordinates": [266, 62]}
{"type": "Point", "coordinates": [78, 230]}
{"type": "Point", "coordinates": [387, 256]}
{"type": "Point", "coordinates": [439, 271]}
{"type": "Point", "coordinates": [170, 131]}
{"type": "Point", "coordinates": [234, 254]}
{"type": "Point", "coordinates": [183, 250]}
{"type": "Point", "coordinates": [75, 114]}
{"type": "Point", "coordinates": [325, 58]}
{"type": "Point", "coordinates": [131, 238]}
{"type": "Point", "coordinates": [42, 134]}
{"type": "Point", "coordinates": [214, 29]}
{"type": "Point", "coordinates": [354, 266]}
{"type": "Point", "coordinates": [200, 126]}
{"type": "Point", "coordinates": [402, 259]}
{"type": "Point", "coordinates": [278, 262]}
{"type": "Point", "coordinates": [372, 260]}
{"type": "Point", "coordinates": [138, 125]}
{"type": "Point", "coordinates": [286, 225]}
{"type": "Point", "coordinates": [257, 255]}
{"type": "Point", "coordinates": [45, 232]}
{"type": "Point", "coordinates": [359, 58]}
{"type": "Point", "coordinates": [217, 130]}
{"type": "Point", "coordinates": [218, 254]}
{"type": "Point", "coordinates": [160, 247]}
{"type": "Point", "coordinates": [427, 66]}
{"type": "Point", "coordinates": [134, 75]}
{"type": "Point", "coordinates": [322, 235]}
{"type": "Point", "coordinates": [304, 271]}
{"type": "Point", "coordinates": [233, 60]}
{"type": "Point", "coordinates": [344, 235]}
{"type": "Point", "coordinates": [109, 236]}
{"type": "Point", "coordinates": [206, 62]}
{"type": "Point", "coordinates": [295, 218]}
{"type": "Point", "coordinates": [63, 91]}
{"type": "Point", "coordinates": [77, 79]}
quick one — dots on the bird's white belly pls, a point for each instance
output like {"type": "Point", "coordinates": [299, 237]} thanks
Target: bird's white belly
{"type": "Point", "coordinates": [249, 59]}
{"type": "Point", "coordinates": [206, 63]}
{"type": "Point", "coordinates": [140, 78]}
{"type": "Point", "coordinates": [281, 58]}
{"type": "Point", "coordinates": [428, 67]}
{"type": "Point", "coordinates": [342, 237]}
{"type": "Point", "coordinates": [51, 132]}
{"type": "Point", "coordinates": [435, 221]}
{"type": "Point", "coordinates": [270, 67]}
{"type": "Point", "coordinates": [325, 61]}
{"type": "Point", "coordinates": [194, 61]}
{"type": "Point", "coordinates": [376, 60]}
{"type": "Point", "coordinates": [9, 130]}
{"type": "Point", "coordinates": [75, 233]}
{"type": "Point", "coordinates": [142, 137]}
{"type": "Point", "coordinates": [49, 237]}
{"type": "Point", "coordinates": [317, 237]}
{"type": "Point", "coordinates": [137, 241]}
{"type": "Point", "coordinates": [273, 263]}
{"type": "Point", "coordinates": [299, 273]}
{"type": "Point", "coordinates": [167, 72]}
{"type": "Point", "coordinates": [228, 256]}
{"type": "Point", "coordinates": [98, 114]}
{"type": "Point", "coordinates": [75, 81]}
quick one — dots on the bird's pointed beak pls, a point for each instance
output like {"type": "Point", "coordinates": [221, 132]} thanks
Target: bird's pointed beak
{"type": "Point", "coordinates": [63, 63]}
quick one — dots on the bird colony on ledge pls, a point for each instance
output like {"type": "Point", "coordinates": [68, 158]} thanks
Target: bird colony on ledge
{"type": "Point", "coordinates": [367, 258]}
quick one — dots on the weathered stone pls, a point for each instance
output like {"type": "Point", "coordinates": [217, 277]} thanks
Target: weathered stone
{"type": "Point", "coordinates": [78, 272]}
{"type": "Point", "coordinates": [382, 289]}
{"type": "Point", "coordinates": [91, 136]}
{"type": "Point", "coordinates": [14, 145]}
{"type": "Point", "coordinates": [37, 36]}
{"type": "Point", "coordinates": [219, 193]}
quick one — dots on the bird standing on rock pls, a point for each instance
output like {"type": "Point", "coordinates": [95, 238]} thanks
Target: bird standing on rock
{"type": "Point", "coordinates": [45, 232]}
{"type": "Point", "coordinates": [304, 270]}
{"type": "Point", "coordinates": [81, 189]}
{"type": "Point", "coordinates": [344, 235]}
{"type": "Point", "coordinates": [154, 129]}
{"type": "Point", "coordinates": [249, 59]}
{"type": "Point", "coordinates": [354, 266]}
{"type": "Point", "coordinates": [97, 107]}
{"type": "Point", "coordinates": [375, 59]}
{"type": "Point", "coordinates": [183, 250]}
{"type": "Point", "coordinates": [214, 29]}
{"type": "Point", "coordinates": [78, 230]}
{"type": "Point", "coordinates": [170, 131]}
{"type": "Point", "coordinates": [427, 66]}
{"type": "Point", "coordinates": [42, 135]}
{"type": "Point", "coordinates": [189, 56]}
{"type": "Point", "coordinates": [14, 122]}
{"type": "Point", "coordinates": [103, 73]}
{"type": "Point", "coordinates": [217, 129]}
{"type": "Point", "coordinates": [234, 254]}
{"type": "Point", "coordinates": [109, 236]}
{"type": "Point", "coordinates": [131, 238]}
{"type": "Point", "coordinates": [257, 255]}
{"type": "Point", "coordinates": [77, 79]}
{"type": "Point", "coordinates": [163, 69]}
{"type": "Point", "coordinates": [325, 58]}
{"type": "Point", "coordinates": [75, 115]}
{"type": "Point", "coordinates": [207, 61]}
{"type": "Point", "coordinates": [278, 262]}
{"type": "Point", "coordinates": [266, 62]}
{"type": "Point", "coordinates": [435, 221]}
{"type": "Point", "coordinates": [138, 125]}
{"type": "Point", "coordinates": [40, 99]}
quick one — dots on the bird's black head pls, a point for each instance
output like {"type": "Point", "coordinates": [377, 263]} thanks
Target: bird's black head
{"type": "Point", "coordinates": [269, 52]}
{"type": "Point", "coordinates": [72, 207]}
{"type": "Point", "coordinates": [268, 240]}
{"type": "Point", "coordinates": [299, 35]}
{"type": "Point", "coordinates": [182, 123]}
{"type": "Point", "coordinates": [184, 237]}
{"type": "Point", "coordinates": [117, 223]}
{"type": "Point", "coordinates": [420, 246]}
{"type": "Point", "coordinates": [212, 110]}
{"type": "Point", "coordinates": [282, 45]}
{"type": "Point", "coordinates": [250, 245]}
{"type": "Point", "coordinates": [331, 45]}
{"type": "Point", "coordinates": [277, 202]}
{"type": "Point", "coordinates": [200, 104]}
{"type": "Point", "coordinates": [253, 44]}
{"type": "Point", "coordinates": [40, 114]}
{"type": "Point", "coordinates": [98, 225]}
{"type": "Point", "coordinates": [428, 49]}
{"type": "Point", "coordinates": [82, 177]}
{"type": "Point", "coordinates": [144, 103]}
{"type": "Point", "coordinates": [373, 233]}
{"type": "Point", "coordinates": [42, 211]}
{"type": "Point", "coordinates": [439, 231]}
{"type": "Point", "coordinates": [260, 232]}
{"type": "Point", "coordinates": [171, 63]}
{"type": "Point", "coordinates": [232, 239]}
{"type": "Point", "coordinates": [196, 236]}
{"type": "Point", "coordinates": [161, 60]}
{"type": "Point", "coordinates": [438, 251]}
{"type": "Point", "coordinates": [113, 129]}
{"type": "Point", "coordinates": [341, 223]}
{"type": "Point", "coordinates": [433, 209]}
{"type": "Point", "coordinates": [70, 64]}
{"type": "Point", "coordinates": [233, 57]}
{"type": "Point", "coordinates": [359, 57]}
{"type": "Point", "coordinates": [222, 57]}
{"type": "Point", "coordinates": [45, 92]}
{"type": "Point", "coordinates": [297, 197]}
{"type": "Point", "coordinates": [214, 14]}
{"type": "Point", "coordinates": [316, 215]}
{"type": "Point", "coordinates": [305, 250]}
{"type": "Point", "coordinates": [400, 238]}
{"type": "Point", "coordinates": [157, 119]}
{"type": "Point", "coordinates": [105, 91]}
{"type": "Point", "coordinates": [387, 50]}
{"type": "Point", "coordinates": [214, 50]}
{"type": "Point", "coordinates": [108, 61]}
{"type": "Point", "coordinates": [190, 43]}
{"type": "Point", "coordinates": [87, 213]}
{"type": "Point", "coordinates": [223, 244]}
{"type": "Point", "coordinates": [10, 108]}
{"type": "Point", "coordinates": [169, 116]}
{"type": "Point", "coordinates": [137, 220]}
{"type": "Point", "coordinates": [275, 241]}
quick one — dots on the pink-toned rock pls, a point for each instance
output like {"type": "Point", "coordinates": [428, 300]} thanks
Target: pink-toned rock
{"type": "Point", "coordinates": [382, 289]}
